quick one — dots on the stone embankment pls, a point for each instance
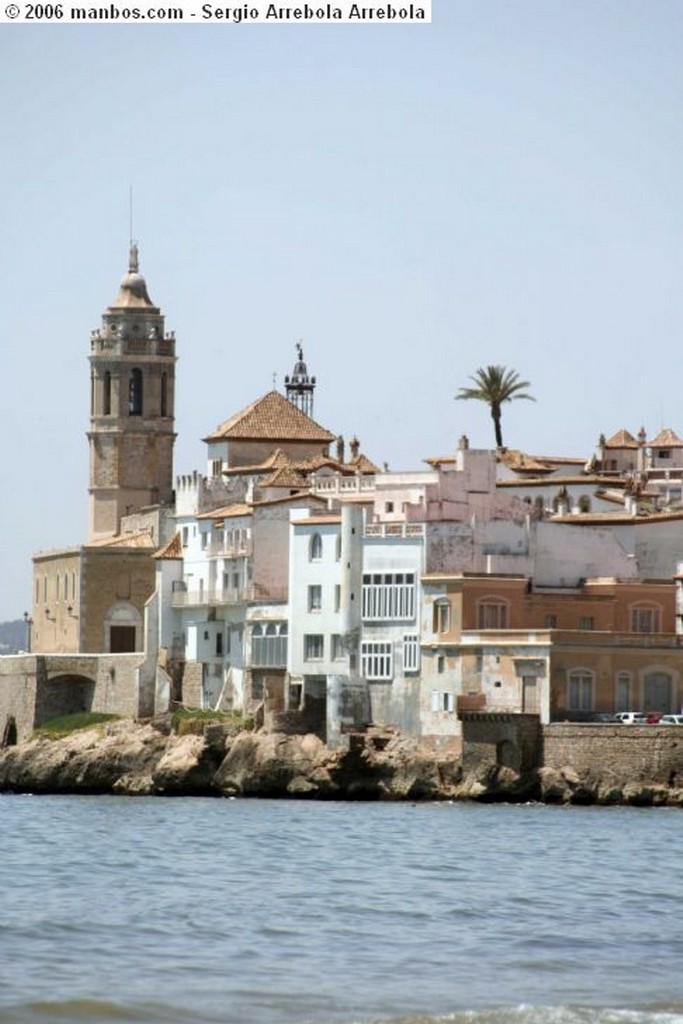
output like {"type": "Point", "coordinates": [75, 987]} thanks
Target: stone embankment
{"type": "Point", "coordinates": [146, 759]}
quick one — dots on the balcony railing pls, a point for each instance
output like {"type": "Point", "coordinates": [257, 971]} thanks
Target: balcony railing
{"type": "Point", "coordinates": [394, 530]}
{"type": "Point", "coordinates": [251, 593]}
{"type": "Point", "coordinates": [338, 484]}
{"type": "Point", "coordinates": [223, 549]}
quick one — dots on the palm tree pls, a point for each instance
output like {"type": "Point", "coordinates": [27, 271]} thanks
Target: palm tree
{"type": "Point", "coordinates": [495, 385]}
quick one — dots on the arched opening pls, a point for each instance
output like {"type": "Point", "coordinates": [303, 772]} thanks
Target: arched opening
{"type": "Point", "coordinates": [135, 393]}
{"type": "Point", "coordinates": [316, 548]}
{"type": "Point", "coordinates": [63, 695]}
{"type": "Point", "coordinates": [9, 733]}
{"type": "Point", "coordinates": [106, 397]}
{"type": "Point", "coordinates": [164, 394]}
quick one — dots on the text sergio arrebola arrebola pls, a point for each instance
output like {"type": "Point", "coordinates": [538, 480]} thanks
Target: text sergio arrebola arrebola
{"type": "Point", "coordinates": [320, 12]}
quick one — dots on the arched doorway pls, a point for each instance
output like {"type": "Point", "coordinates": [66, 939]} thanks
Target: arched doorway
{"type": "Point", "coordinates": [657, 692]}
{"type": "Point", "coordinates": [123, 629]}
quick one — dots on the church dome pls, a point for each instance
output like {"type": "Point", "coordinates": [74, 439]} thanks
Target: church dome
{"type": "Point", "coordinates": [133, 292]}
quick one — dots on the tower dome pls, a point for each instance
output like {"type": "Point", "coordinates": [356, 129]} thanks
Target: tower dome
{"type": "Point", "coordinates": [299, 387]}
{"type": "Point", "coordinates": [133, 288]}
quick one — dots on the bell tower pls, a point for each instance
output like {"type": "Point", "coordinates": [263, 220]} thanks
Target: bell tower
{"type": "Point", "coordinates": [132, 393]}
{"type": "Point", "coordinates": [299, 388]}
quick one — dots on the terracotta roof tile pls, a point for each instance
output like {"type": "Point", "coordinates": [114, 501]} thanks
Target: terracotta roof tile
{"type": "Point", "coordinates": [273, 418]}
{"type": "Point", "coordinates": [666, 439]}
{"type": "Point", "coordinates": [622, 439]}
{"type": "Point", "coordinates": [140, 540]}
{"type": "Point", "coordinates": [227, 511]}
{"type": "Point", "coordinates": [172, 548]}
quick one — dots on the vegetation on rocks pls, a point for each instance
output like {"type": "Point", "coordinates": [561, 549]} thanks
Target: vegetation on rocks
{"type": "Point", "coordinates": [192, 721]}
{"type": "Point", "coordinates": [58, 728]}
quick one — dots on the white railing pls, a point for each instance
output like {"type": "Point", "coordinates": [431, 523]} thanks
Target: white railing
{"type": "Point", "coordinates": [394, 530]}
{"type": "Point", "coordinates": [338, 484]}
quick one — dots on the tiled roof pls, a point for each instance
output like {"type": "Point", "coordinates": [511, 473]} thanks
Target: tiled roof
{"type": "Point", "coordinates": [522, 463]}
{"type": "Point", "coordinates": [318, 521]}
{"type": "Point", "coordinates": [140, 540]}
{"type": "Point", "coordinates": [362, 464]}
{"type": "Point", "coordinates": [227, 512]}
{"type": "Point", "coordinates": [666, 439]}
{"type": "Point", "coordinates": [271, 418]}
{"type": "Point", "coordinates": [172, 548]}
{"type": "Point", "coordinates": [287, 476]}
{"type": "Point", "coordinates": [622, 439]}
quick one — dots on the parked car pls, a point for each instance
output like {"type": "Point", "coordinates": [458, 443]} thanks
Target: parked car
{"type": "Point", "coordinates": [671, 720]}
{"type": "Point", "coordinates": [631, 718]}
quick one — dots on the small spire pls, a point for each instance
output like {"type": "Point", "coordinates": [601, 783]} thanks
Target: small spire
{"type": "Point", "coordinates": [133, 259]}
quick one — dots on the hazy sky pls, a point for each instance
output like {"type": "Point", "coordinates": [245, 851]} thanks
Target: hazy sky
{"type": "Point", "coordinates": [502, 186]}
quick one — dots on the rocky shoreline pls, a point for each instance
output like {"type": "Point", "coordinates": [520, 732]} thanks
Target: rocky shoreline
{"type": "Point", "coordinates": [147, 759]}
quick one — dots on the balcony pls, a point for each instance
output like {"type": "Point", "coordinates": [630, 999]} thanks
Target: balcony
{"type": "Point", "coordinates": [224, 549]}
{"type": "Point", "coordinates": [394, 530]}
{"type": "Point", "coordinates": [217, 597]}
{"type": "Point", "coordinates": [338, 484]}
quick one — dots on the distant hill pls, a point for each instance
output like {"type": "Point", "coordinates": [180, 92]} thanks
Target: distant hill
{"type": "Point", "coordinates": [13, 636]}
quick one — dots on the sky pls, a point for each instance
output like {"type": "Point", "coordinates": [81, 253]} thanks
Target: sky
{"type": "Point", "coordinates": [412, 202]}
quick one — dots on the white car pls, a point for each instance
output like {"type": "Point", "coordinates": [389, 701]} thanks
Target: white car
{"type": "Point", "coordinates": [671, 720]}
{"type": "Point", "coordinates": [631, 718]}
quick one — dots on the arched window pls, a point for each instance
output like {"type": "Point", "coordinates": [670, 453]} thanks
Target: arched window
{"type": "Point", "coordinates": [645, 618]}
{"type": "Point", "coordinates": [106, 396]}
{"type": "Point", "coordinates": [135, 393]}
{"type": "Point", "coordinates": [164, 394]}
{"type": "Point", "coordinates": [580, 690]}
{"type": "Point", "coordinates": [269, 645]}
{"type": "Point", "coordinates": [492, 613]}
{"type": "Point", "coordinates": [316, 548]}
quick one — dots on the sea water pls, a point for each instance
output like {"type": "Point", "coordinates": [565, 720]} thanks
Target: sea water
{"type": "Point", "coordinates": [284, 912]}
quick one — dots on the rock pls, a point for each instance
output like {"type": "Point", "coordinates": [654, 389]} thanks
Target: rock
{"type": "Point", "coordinates": [188, 766]}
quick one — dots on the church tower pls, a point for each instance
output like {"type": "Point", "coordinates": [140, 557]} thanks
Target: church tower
{"type": "Point", "coordinates": [132, 378]}
{"type": "Point", "coordinates": [299, 387]}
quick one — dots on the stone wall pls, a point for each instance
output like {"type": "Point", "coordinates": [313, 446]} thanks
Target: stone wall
{"type": "Point", "coordinates": [511, 741]}
{"type": "Point", "coordinates": [637, 751]}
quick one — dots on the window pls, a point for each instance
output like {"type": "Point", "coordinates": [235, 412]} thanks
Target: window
{"type": "Point", "coordinates": [586, 622]}
{"type": "Point", "coordinates": [185, 536]}
{"type": "Point", "coordinates": [337, 597]}
{"type": "Point", "coordinates": [664, 454]}
{"type": "Point", "coordinates": [164, 394]}
{"type": "Point", "coordinates": [442, 615]}
{"type": "Point", "coordinates": [441, 664]}
{"type": "Point", "coordinates": [135, 393]}
{"type": "Point", "coordinates": [106, 398]}
{"type": "Point", "coordinates": [269, 644]}
{"type": "Point", "coordinates": [388, 595]}
{"type": "Point", "coordinates": [623, 692]}
{"type": "Point", "coordinates": [376, 659]}
{"type": "Point", "coordinates": [337, 548]}
{"type": "Point", "coordinates": [411, 652]}
{"type": "Point", "coordinates": [645, 619]}
{"type": "Point", "coordinates": [337, 647]}
{"type": "Point", "coordinates": [314, 646]}
{"type": "Point", "coordinates": [580, 690]}
{"type": "Point", "coordinates": [442, 701]}
{"type": "Point", "coordinates": [315, 551]}
{"type": "Point", "coordinates": [551, 622]}
{"type": "Point", "coordinates": [315, 598]}
{"type": "Point", "coordinates": [219, 644]}
{"type": "Point", "coordinates": [388, 506]}
{"type": "Point", "coordinates": [205, 540]}
{"type": "Point", "coordinates": [492, 614]}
